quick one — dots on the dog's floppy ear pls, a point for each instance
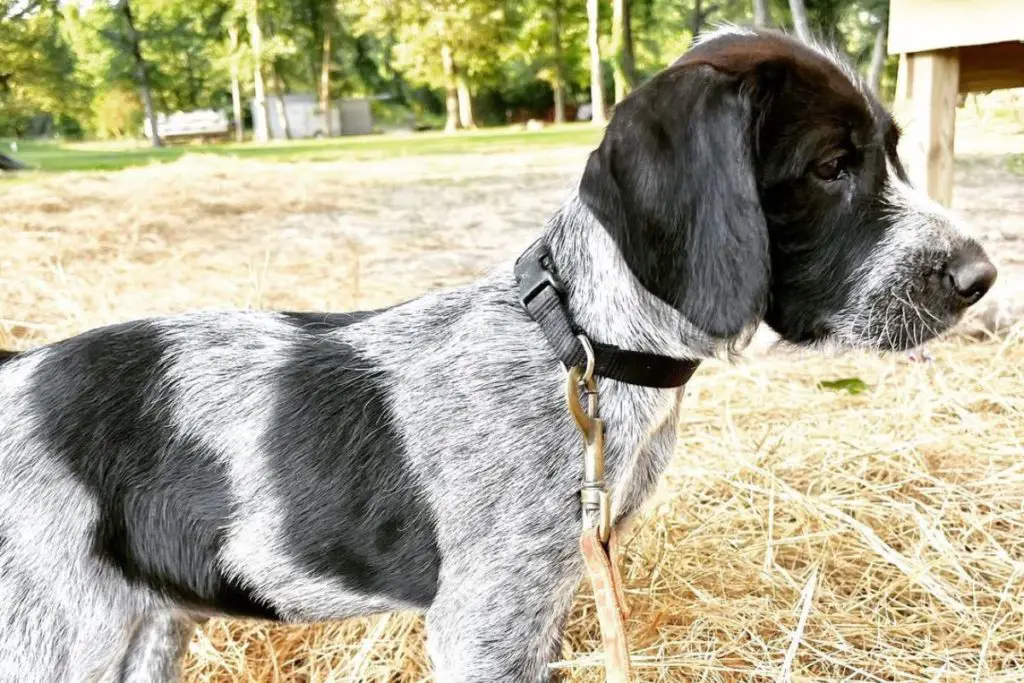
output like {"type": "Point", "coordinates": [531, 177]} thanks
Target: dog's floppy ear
{"type": "Point", "coordinates": [673, 182]}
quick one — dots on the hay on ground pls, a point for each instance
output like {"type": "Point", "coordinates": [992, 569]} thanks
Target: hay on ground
{"type": "Point", "coordinates": [801, 533]}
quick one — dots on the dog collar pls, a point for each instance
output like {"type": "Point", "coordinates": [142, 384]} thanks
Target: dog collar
{"type": "Point", "coordinates": [542, 294]}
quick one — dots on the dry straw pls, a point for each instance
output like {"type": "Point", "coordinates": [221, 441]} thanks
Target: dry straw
{"type": "Point", "coordinates": [801, 533]}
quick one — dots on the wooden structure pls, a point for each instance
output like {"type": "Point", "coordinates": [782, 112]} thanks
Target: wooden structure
{"type": "Point", "coordinates": [948, 48]}
{"type": "Point", "coordinates": [10, 163]}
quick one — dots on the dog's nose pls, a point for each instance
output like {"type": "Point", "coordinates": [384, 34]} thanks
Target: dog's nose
{"type": "Point", "coordinates": [971, 275]}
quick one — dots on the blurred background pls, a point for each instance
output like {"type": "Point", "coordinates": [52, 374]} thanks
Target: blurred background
{"type": "Point", "coordinates": [854, 518]}
{"type": "Point", "coordinates": [98, 70]}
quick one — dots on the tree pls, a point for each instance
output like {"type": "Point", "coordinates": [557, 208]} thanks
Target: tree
{"type": "Point", "coordinates": [761, 14]}
{"type": "Point", "coordinates": [451, 91]}
{"type": "Point", "coordinates": [558, 75]}
{"type": "Point", "coordinates": [596, 76]}
{"type": "Point", "coordinates": [476, 60]}
{"type": "Point", "coordinates": [800, 23]}
{"type": "Point", "coordinates": [261, 119]}
{"type": "Point", "coordinates": [466, 119]}
{"type": "Point", "coordinates": [316, 31]}
{"type": "Point", "coordinates": [450, 44]}
{"type": "Point", "coordinates": [37, 66]}
{"type": "Point", "coordinates": [699, 16]}
{"type": "Point", "coordinates": [622, 49]}
{"type": "Point", "coordinates": [546, 43]}
{"type": "Point", "coordinates": [327, 26]}
{"type": "Point", "coordinates": [878, 51]}
{"type": "Point", "coordinates": [234, 56]}
{"type": "Point", "coordinates": [279, 91]}
{"type": "Point", "coordinates": [132, 44]}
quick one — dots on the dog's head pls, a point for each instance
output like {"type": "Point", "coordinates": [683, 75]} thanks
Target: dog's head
{"type": "Point", "coordinates": [757, 179]}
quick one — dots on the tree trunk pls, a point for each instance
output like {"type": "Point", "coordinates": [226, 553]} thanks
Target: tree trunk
{"type": "Point", "coordinates": [878, 55]}
{"type": "Point", "coordinates": [141, 71]}
{"type": "Point", "coordinates": [325, 83]}
{"type": "Point", "coordinates": [282, 110]}
{"type": "Point", "coordinates": [761, 15]}
{"type": "Point", "coordinates": [451, 92]}
{"type": "Point", "coordinates": [622, 49]}
{"type": "Point", "coordinates": [803, 28]}
{"type": "Point", "coordinates": [699, 17]}
{"type": "Point", "coordinates": [559, 81]}
{"type": "Point", "coordinates": [236, 91]}
{"type": "Point", "coordinates": [465, 100]}
{"type": "Point", "coordinates": [261, 117]}
{"type": "Point", "coordinates": [596, 81]}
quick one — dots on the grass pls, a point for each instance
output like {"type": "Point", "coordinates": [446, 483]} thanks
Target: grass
{"type": "Point", "coordinates": [891, 516]}
{"type": "Point", "coordinates": [1016, 163]}
{"type": "Point", "coordinates": [57, 157]}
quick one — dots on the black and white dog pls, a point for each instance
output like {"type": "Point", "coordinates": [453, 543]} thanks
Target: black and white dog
{"type": "Point", "coordinates": [305, 467]}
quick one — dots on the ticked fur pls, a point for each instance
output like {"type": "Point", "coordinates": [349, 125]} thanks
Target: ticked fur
{"type": "Point", "coordinates": [306, 467]}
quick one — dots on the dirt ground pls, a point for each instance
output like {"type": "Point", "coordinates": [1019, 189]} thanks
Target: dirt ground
{"type": "Point", "coordinates": [803, 532]}
{"type": "Point", "coordinates": [387, 230]}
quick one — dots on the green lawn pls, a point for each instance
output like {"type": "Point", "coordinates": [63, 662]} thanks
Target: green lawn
{"type": "Point", "coordinates": [1016, 163]}
{"type": "Point", "coordinates": [56, 157]}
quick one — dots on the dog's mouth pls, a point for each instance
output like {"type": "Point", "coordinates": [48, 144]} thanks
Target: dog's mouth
{"type": "Point", "coordinates": [901, 319]}
{"type": "Point", "coordinates": [916, 299]}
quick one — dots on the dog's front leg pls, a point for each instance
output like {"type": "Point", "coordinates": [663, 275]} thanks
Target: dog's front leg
{"type": "Point", "coordinates": [157, 649]}
{"type": "Point", "coordinates": [498, 616]}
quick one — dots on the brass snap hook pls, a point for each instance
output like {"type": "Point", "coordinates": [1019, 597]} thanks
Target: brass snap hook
{"type": "Point", "coordinates": [585, 418]}
{"type": "Point", "coordinates": [594, 492]}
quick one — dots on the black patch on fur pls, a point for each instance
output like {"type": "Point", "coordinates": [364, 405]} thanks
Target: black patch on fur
{"type": "Point", "coordinates": [354, 510]}
{"type": "Point", "coordinates": [673, 183]}
{"type": "Point", "coordinates": [163, 497]}
{"type": "Point", "coordinates": [705, 181]}
{"type": "Point", "coordinates": [327, 322]}
{"type": "Point", "coordinates": [7, 355]}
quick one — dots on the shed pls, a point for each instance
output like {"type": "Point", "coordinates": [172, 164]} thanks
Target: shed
{"type": "Point", "coordinates": [948, 48]}
{"type": "Point", "coordinates": [202, 124]}
{"type": "Point", "coordinates": [307, 120]}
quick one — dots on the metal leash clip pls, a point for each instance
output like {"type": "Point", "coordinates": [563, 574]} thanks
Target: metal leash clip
{"type": "Point", "coordinates": [594, 493]}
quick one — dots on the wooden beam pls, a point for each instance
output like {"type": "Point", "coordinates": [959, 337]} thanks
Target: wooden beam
{"type": "Point", "coordinates": [10, 163]}
{"type": "Point", "coordinates": [904, 81]}
{"type": "Point", "coordinates": [934, 92]}
{"type": "Point", "coordinates": [991, 67]}
{"type": "Point", "coordinates": [920, 25]}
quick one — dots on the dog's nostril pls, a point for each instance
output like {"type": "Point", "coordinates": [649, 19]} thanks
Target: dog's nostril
{"type": "Point", "coordinates": [972, 279]}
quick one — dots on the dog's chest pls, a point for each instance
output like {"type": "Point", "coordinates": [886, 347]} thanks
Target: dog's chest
{"type": "Point", "coordinates": [641, 433]}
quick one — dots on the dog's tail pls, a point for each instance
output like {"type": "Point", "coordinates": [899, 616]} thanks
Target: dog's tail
{"type": "Point", "coordinates": [7, 355]}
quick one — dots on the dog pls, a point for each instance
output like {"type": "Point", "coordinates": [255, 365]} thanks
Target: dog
{"type": "Point", "coordinates": [304, 467]}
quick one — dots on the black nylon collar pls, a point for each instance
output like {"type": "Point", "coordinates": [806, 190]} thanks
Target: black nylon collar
{"type": "Point", "coordinates": [541, 293]}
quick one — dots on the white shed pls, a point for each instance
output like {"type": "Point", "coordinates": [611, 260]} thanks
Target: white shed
{"type": "Point", "coordinates": [306, 120]}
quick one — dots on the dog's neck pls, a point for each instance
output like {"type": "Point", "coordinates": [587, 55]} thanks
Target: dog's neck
{"type": "Point", "coordinates": [605, 298]}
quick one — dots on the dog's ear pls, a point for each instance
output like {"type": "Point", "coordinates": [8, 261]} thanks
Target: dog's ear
{"type": "Point", "coordinates": [674, 184]}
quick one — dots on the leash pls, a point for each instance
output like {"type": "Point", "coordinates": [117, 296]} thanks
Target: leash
{"type": "Point", "coordinates": [598, 543]}
{"type": "Point", "coordinates": [541, 292]}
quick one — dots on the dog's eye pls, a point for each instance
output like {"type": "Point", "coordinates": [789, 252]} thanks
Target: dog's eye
{"type": "Point", "coordinates": [833, 169]}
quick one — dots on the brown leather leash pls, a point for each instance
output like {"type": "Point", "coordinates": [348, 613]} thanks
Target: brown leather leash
{"type": "Point", "coordinates": [543, 294]}
{"type": "Point", "coordinates": [599, 543]}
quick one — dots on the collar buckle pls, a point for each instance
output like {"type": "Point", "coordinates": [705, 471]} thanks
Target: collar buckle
{"type": "Point", "coordinates": [534, 272]}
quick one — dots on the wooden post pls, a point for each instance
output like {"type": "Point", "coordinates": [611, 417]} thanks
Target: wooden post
{"type": "Point", "coordinates": [904, 81]}
{"type": "Point", "coordinates": [934, 87]}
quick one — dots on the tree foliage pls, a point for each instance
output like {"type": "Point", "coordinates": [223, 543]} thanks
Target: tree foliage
{"type": "Point", "coordinates": [65, 66]}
